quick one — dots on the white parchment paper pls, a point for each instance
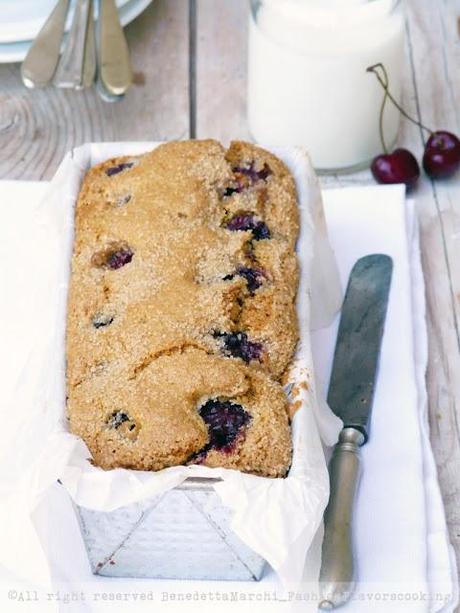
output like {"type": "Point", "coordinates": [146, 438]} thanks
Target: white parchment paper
{"type": "Point", "coordinates": [278, 518]}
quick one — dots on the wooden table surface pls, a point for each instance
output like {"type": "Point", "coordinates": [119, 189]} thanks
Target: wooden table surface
{"type": "Point", "coordinates": [189, 58]}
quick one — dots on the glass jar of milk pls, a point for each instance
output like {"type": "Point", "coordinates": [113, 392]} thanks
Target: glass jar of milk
{"type": "Point", "coordinates": [307, 79]}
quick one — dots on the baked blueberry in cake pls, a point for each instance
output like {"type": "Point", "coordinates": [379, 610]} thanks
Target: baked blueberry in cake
{"type": "Point", "coordinates": [181, 313]}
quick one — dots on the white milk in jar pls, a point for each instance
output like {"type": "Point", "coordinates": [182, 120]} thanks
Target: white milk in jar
{"type": "Point", "coordinates": [307, 79]}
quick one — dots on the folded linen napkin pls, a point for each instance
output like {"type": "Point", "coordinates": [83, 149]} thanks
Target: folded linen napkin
{"type": "Point", "coordinates": [403, 550]}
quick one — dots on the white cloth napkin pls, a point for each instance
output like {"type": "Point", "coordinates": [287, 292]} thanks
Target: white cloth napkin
{"type": "Point", "coordinates": [403, 550]}
{"type": "Point", "coordinates": [442, 571]}
{"type": "Point", "coordinates": [404, 555]}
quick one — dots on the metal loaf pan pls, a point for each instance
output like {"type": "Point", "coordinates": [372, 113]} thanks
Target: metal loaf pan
{"type": "Point", "coordinates": [184, 533]}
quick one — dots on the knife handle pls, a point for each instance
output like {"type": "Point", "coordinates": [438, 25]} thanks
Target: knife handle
{"type": "Point", "coordinates": [337, 572]}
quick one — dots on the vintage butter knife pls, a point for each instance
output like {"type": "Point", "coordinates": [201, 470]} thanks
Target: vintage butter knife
{"type": "Point", "coordinates": [351, 391]}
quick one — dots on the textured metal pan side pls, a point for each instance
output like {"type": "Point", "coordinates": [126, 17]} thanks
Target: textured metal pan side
{"type": "Point", "coordinates": [184, 533]}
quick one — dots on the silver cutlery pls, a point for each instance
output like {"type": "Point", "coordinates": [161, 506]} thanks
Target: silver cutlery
{"type": "Point", "coordinates": [40, 63]}
{"type": "Point", "coordinates": [351, 391]}
{"type": "Point", "coordinates": [105, 95]}
{"type": "Point", "coordinates": [115, 70]}
{"type": "Point", "coordinates": [90, 59]}
{"type": "Point", "coordinates": [70, 68]}
{"type": "Point", "coordinates": [82, 61]}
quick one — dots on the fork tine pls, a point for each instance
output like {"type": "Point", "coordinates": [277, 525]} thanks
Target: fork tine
{"type": "Point", "coordinates": [89, 64]}
{"type": "Point", "coordinates": [69, 72]}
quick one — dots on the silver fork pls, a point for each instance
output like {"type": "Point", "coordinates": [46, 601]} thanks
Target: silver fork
{"type": "Point", "coordinates": [69, 72]}
{"type": "Point", "coordinates": [90, 61]}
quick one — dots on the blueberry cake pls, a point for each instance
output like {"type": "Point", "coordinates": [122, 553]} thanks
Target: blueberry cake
{"type": "Point", "coordinates": [181, 316]}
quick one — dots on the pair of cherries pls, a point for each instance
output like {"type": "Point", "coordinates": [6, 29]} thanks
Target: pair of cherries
{"type": "Point", "coordinates": [441, 156]}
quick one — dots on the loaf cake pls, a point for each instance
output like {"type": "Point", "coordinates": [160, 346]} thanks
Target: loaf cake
{"type": "Point", "coordinates": [181, 312]}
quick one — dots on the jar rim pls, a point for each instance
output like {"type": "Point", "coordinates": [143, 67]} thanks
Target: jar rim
{"type": "Point", "coordinates": [328, 17]}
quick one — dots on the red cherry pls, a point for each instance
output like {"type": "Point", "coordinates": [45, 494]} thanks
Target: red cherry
{"type": "Point", "coordinates": [442, 155]}
{"type": "Point", "coordinates": [397, 167]}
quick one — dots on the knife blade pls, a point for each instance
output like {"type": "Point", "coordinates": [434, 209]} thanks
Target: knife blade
{"type": "Point", "coordinates": [350, 396]}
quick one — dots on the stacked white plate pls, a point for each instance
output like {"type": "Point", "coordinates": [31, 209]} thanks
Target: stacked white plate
{"type": "Point", "coordinates": [21, 20]}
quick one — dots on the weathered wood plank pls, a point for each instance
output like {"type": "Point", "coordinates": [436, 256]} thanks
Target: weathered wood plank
{"type": "Point", "coordinates": [38, 127]}
{"type": "Point", "coordinates": [221, 69]}
{"type": "Point", "coordinates": [433, 47]}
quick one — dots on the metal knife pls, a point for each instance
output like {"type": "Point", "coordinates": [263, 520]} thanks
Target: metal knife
{"type": "Point", "coordinates": [350, 396]}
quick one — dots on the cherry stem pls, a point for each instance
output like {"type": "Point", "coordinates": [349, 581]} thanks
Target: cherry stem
{"type": "Point", "coordinates": [384, 82]}
{"type": "Point", "coordinates": [381, 115]}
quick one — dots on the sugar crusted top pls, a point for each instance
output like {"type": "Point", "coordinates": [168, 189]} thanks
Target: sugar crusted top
{"type": "Point", "coordinates": [181, 314]}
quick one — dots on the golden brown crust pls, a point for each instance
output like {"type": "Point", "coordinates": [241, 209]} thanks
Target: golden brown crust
{"type": "Point", "coordinates": [173, 303]}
